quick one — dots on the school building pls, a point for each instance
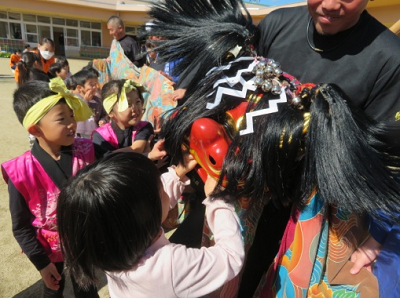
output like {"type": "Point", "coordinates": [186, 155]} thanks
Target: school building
{"type": "Point", "coordinates": [79, 29]}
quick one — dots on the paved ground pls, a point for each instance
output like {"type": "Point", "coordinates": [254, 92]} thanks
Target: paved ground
{"type": "Point", "coordinates": [18, 277]}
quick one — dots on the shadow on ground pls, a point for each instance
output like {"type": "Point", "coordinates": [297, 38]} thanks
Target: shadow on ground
{"type": "Point", "coordinates": [35, 290]}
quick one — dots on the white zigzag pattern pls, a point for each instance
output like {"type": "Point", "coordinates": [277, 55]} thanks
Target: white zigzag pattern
{"type": "Point", "coordinates": [273, 108]}
{"type": "Point", "coordinates": [247, 85]}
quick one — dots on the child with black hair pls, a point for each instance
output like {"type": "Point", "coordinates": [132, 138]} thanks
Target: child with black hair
{"type": "Point", "coordinates": [29, 68]}
{"type": "Point", "coordinates": [27, 48]}
{"type": "Point", "coordinates": [85, 84]}
{"type": "Point", "coordinates": [14, 59]}
{"type": "Point", "coordinates": [65, 64]}
{"type": "Point", "coordinates": [59, 70]}
{"type": "Point", "coordinates": [49, 112]}
{"type": "Point", "coordinates": [121, 198]}
{"type": "Point", "coordinates": [123, 101]}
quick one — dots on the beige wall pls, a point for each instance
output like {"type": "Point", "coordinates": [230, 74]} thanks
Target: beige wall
{"type": "Point", "coordinates": [107, 38]}
{"type": "Point", "coordinates": [387, 15]}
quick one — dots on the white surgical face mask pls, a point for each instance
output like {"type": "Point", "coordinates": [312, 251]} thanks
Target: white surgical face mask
{"type": "Point", "coordinates": [46, 54]}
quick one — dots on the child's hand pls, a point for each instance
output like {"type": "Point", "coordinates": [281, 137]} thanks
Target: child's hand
{"type": "Point", "coordinates": [88, 95]}
{"type": "Point", "coordinates": [51, 277]}
{"type": "Point", "coordinates": [365, 255]}
{"type": "Point", "coordinates": [189, 164]}
{"type": "Point", "coordinates": [209, 185]}
{"type": "Point", "coordinates": [158, 152]}
{"type": "Point", "coordinates": [102, 122]}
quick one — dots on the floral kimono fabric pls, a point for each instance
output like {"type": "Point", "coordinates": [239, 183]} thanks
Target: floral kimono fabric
{"type": "Point", "coordinates": [313, 260]}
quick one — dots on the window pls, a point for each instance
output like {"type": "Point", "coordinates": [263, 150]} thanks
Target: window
{"type": "Point", "coordinates": [85, 38]}
{"type": "Point", "coordinates": [44, 31]}
{"type": "Point", "coordinates": [90, 38]}
{"type": "Point", "coordinates": [4, 29]}
{"type": "Point", "coordinates": [58, 21]}
{"type": "Point", "coordinates": [130, 30]}
{"type": "Point", "coordinates": [91, 34]}
{"type": "Point", "coordinates": [72, 37]}
{"type": "Point", "coordinates": [31, 28]}
{"type": "Point", "coordinates": [34, 28]}
{"type": "Point", "coordinates": [72, 23]}
{"type": "Point", "coordinates": [15, 29]}
{"type": "Point", "coordinates": [96, 39]}
{"type": "Point", "coordinates": [42, 19]}
{"type": "Point", "coordinates": [96, 26]}
{"type": "Point", "coordinates": [85, 24]}
{"type": "Point", "coordinates": [29, 18]}
{"type": "Point", "coordinates": [14, 16]}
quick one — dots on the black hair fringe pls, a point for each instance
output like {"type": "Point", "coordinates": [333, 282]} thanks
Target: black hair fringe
{"type": "Point", "coordinates": [342, 163]}
{"type": "Point", "coordinates": [199, 34]}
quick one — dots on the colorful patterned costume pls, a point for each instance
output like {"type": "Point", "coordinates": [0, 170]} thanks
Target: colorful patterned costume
{"type": "Point", "coordinates": [158, 100]}
{"type": "Point", "coordinates": [31, 180]}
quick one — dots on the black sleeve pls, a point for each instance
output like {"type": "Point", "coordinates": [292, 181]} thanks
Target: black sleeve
{"type": "Point", "coordinates": [137, 57]}
{"type": "Point", "coordinates": [23, 231]}
{"type": "Point", "coordinates": [145, 132]}
{"type": "Point", "coordinates": [101, 146]}
{"type": "Point", "coordinates": [186, 79]}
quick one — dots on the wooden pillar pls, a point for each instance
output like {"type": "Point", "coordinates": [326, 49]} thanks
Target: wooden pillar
{"type": "Point", "coordinates": [396, 28]}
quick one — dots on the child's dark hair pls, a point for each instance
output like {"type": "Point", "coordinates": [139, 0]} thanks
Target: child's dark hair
{"type": "Point", "coordinates": [47, 40]}
{"type": "Point", "coordinates": [115, 87]}
{"type": "Point", "coordinates": [26, 68]}
{"type": "Point", "coordinates": [27, 95]}
{"type": "Point", "coordinates": [109, 214]}
{"type": "Point", "coordinates": [62, 60]}
{"type": "Point", "coordinates": [54, 69]}
{"type": "Point", "coordinates": [80, 78]}
{"type": "Point", "coordinates": [90, 68]}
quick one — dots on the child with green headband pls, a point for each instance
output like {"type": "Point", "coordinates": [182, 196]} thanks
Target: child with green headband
{"type": "Point", "coordinates": [49, 112]}
{"type": "Point", "coordinates": [123, 102]}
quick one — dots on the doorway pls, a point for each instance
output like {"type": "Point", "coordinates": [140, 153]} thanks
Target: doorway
{"type": "Point", "coordinates": [59, 41]}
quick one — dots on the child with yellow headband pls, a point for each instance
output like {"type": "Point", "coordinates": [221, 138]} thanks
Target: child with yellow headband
{"type": "Point", "coordinates": [123, 102]}
{"type": "Point", "coordinates": [49, 112]}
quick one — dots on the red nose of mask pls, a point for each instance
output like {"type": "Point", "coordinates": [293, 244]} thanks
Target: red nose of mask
{"type": "Point", "coordinates": [208, 144]}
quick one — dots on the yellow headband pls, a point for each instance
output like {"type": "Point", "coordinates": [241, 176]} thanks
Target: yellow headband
{"type": "Point", "coordinates": [110, 101]}
{"type": "Point", "coordinates": [81, 110]}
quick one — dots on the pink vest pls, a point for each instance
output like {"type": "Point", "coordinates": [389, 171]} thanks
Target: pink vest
{"type": "Point", "coordinates": [109, 135]}
{"type": "Point", "coordinates": [41, 194]}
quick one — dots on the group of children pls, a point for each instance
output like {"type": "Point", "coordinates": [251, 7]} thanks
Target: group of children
{"type": "Point", "coordinates": [108, 215]}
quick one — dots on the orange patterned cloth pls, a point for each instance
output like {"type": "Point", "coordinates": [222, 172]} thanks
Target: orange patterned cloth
{"type": "Point", "coordinates": [158, 99]}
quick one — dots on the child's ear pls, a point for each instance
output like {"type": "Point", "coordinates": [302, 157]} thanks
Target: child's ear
{"type": "Point", "coordinates": [35, 130]}
{"type": "Point", "coordinates": [79, 88]}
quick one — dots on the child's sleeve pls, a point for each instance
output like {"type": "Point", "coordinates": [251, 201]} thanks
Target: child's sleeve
{"type": "Point", "coordinates": [23, 231]}
{"type": "Point", "coordinates": [197, 272]}
{"type": "Point", "coordinates": [101, 146]}
{"type": "Point", "coordinates": [144, 133]}
{"type": "Point", "coordinates": [173, 185]}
